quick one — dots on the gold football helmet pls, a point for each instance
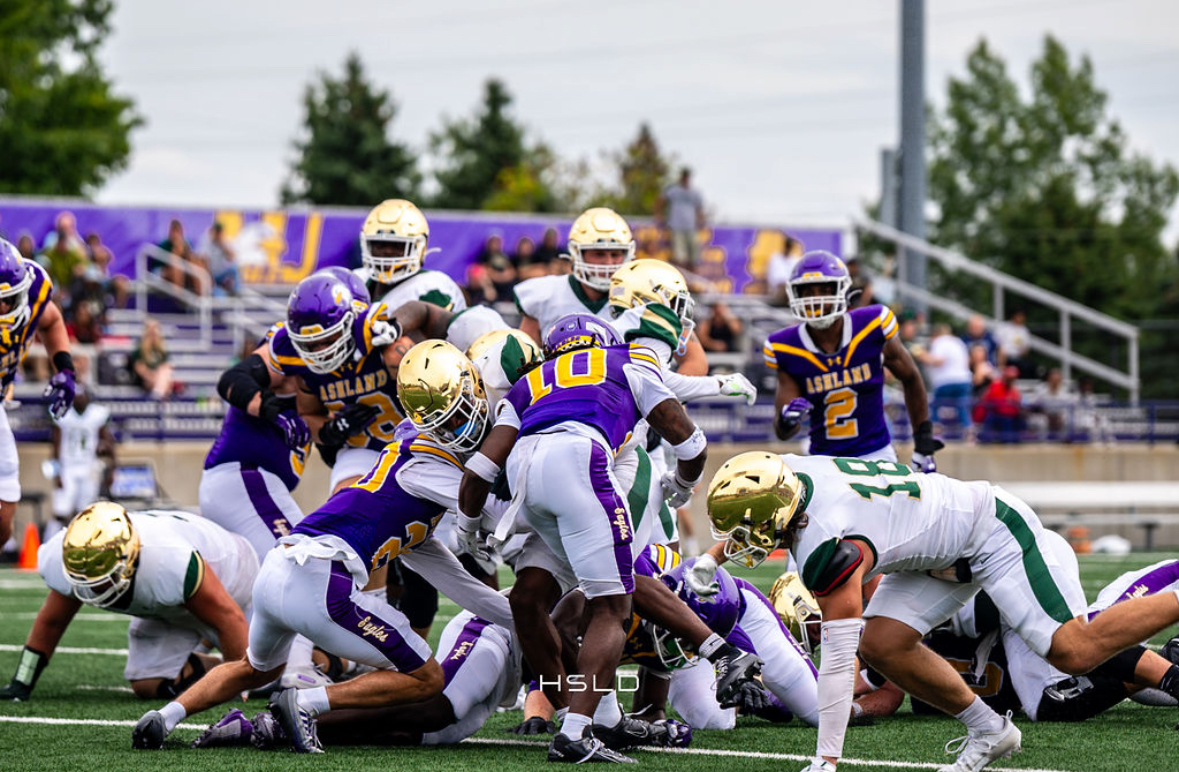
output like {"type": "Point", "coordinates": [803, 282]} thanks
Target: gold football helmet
{"type": "Point", "coordinates": [393, 241]}
{"type": "Point", "coordinates": [798, 609]}
{"type": "Point", "coordinates": [752, 501]}
{"type": "Point", "coordinates": [653, 281]}
{"type": "Point", "coordinates": [443, 396]}
{"type": "Point", "coordinates": [514, 359]}
{"type": "Point", "coordinates": [599, 228]}
{"type": "Point", "coordinates": [99, 550]}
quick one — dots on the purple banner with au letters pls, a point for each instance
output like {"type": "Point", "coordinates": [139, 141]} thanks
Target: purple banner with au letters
{"type": "Point", "coordinates": [281, 246]}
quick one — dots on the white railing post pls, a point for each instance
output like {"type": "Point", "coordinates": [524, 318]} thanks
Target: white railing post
{"type": "Point", "coordinates": [1066, 343]}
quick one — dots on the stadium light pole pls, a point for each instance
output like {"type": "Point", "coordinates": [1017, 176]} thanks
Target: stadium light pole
{"type": "Point", "coordinates": [912, 150]}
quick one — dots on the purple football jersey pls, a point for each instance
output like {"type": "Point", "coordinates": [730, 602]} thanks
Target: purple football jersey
{"type": "Point", "coordinates": [375, 515]}
{"type": "Point", "coordinates": [364, 380]}
{"type": "Point", "coordinates": [14, 342]}
{"type": "Point", "coordinates": [588, 386]}
{"type": "Point", "coordinates": [258, 444]}
{"type": "Point", "coordinates": [846, 387]}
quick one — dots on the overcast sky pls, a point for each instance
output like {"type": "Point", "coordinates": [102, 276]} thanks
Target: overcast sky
{"type": "Point", "coordinates": [781, 107]}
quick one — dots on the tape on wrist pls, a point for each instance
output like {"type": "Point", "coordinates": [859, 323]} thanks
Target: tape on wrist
{"type": "Point", "coordinates": [691, 447]}
{"type": "Point", "coordinates": [483, 467]}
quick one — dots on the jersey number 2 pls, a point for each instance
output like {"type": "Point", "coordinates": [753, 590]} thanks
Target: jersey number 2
{"type": "Point", "coordinates": [840, 405]}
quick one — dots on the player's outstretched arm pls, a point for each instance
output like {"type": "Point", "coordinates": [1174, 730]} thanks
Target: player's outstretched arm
{"type": "Point", "coordinates": [900, 363]}
{"type": "Point", "coordinates": [786, 422]}
{"type": "Point", "coordinates": [48, 628]}
{"type": "Point", "coordinates": [212, 604]}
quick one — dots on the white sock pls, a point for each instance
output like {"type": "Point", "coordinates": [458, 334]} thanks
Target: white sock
{"type": "Point", "coordinates": [979, 718]}
{"type": "Point", "coordinates": [608, 712]}
{"type": "Point", "coordinates": [173, 714]}
{"type": "Point", "coordinates": [300, 653]}
{"type": "Point", "coordinates": [575, 725]}
{"type": "Point", "coordinates": [314, 701]}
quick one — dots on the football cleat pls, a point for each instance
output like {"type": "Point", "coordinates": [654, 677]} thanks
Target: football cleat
{"type": "Point", "coordinates": [268, 733]}
{"type": "Point", "coordinates": [297, 723]}
{"type": "Point", "coordinates": [149, 732]}
{"type": "Point", "coordinates": [587, 750]}
{"type": "Point", "coordinates": [672, 733]}
{"type": "Point", "coordinates": [234, 729]}
{"type": "Point", "coordinates": [628, 733]}
{"type": "Point", "coordinates": [1170, 651]}
{"type": "Point", "coordinates": [731, 672]}
{"type": "Point", "coordinates": [303, 678]}
{"type": "Point", "coordinates": [975, 751]}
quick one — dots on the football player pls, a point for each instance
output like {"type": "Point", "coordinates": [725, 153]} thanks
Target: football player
{"type": "Point", "coordinates": [312, 583]}
{"type": "Point", "coordinates": [600, 241]}
{"type": "Point", "coordinates": [831, 368]}
{"type": "Point", "coordinates": [180, 577]}
{"type": "Point", "coordinates": [393, 248]}
{"type": "Point", "coordinates": [557, 431]}
{"type": "Point", "coordinates": [936, 541]}
{"type": "Point", "coordinates": [337, 349]}
{"type": "Point", "coordinates": [25, 310]}
{"type": "Point", "coordinates": [79, 439]}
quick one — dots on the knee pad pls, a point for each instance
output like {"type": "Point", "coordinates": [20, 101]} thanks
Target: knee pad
{"type": "Point", "coordinates": [1080, 697]}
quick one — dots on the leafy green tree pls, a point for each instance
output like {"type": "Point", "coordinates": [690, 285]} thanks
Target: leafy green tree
{"type": "Point", "coordinates": [63, 129]}
{"type": "Point", "coordinates": [643, 172]}
{"type": "Point", "coordinates": [474, 152]}
{"type": "Point", "coordinates": [1047, 189]}
{"type": "Point", "coordinates": [346, 156]}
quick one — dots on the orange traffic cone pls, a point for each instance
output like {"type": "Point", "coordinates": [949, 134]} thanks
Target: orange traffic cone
{"type": "Point", "coordinates": [28, 550]}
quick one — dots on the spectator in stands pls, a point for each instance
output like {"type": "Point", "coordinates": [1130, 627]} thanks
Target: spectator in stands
{"type": "Point", "coordinates": [1014, 341]}
{"type": "Point", "coordinates": [720, 331]}
{"type": "Point", "coordinates": [148, 362]}
{"type": "Point", "coordinates": [680, 209]}
{"type": "Point", "coordinates": [116, 286]}
{"type": "Point", "coordinates": [947, 366]}
{"type": "Point", "coordinates": [26, 246]}
{"type": "Point", "coordinates": [87, 290]}
{"type": "Point", "coordinates": [982, 372]}
{"type": "Point", "coordinates": [479, 288]}
{"type": "Point", "coordinates": [780, 267]}
{"type": "Point", "coordinates": [548, 252]}
{"type": "Point", "coordinates": [524, 258]}
{"type": "Point", "coordinates": [860, 293]}
{"type": "Point", "coordinates": [220, 256]}
{"type": "Point", "coordinates": [180, 254]}
{"type": "Point", "coordinates": [1000, 410]}
{"type": "Point", "coordinates": [1052, 402]}
{"type": "Point", "coordinates": [977, 334]}
{"type": "Point", "coordinates": [500, 271]}
{"type": "Point", "coordinates": [86, 326]}
{"type": "Point", "coordinates": [63, 253]}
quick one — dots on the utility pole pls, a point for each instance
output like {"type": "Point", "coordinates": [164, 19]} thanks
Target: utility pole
{"type": "Point", "coordinates": [912, 197]}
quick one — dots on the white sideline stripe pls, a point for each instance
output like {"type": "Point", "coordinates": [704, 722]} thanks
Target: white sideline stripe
{"type": "Point", "coordinates": [527, 744]}
{"type": "Point", "coordinates": [771, 756]}
{"type": "Point", "coordinates": [97, 688]}
{"type": "Point", "coordinates": [68, 650]}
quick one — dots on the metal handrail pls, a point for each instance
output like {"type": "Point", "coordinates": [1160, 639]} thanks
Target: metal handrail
{"type": "Point", "coordinates": [147, 279]}
{"type": "Point", "coordinates": [1068, 309]}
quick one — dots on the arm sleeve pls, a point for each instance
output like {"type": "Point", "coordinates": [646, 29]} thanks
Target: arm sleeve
{"type": "Point", "coordinates": [837, 680]}
{"type": "Point", "coordinates": [505, 414]}
{"type": "Point", "coordinates": [689, 387]}
{"type": "Point", "coordinates": [438, 481]}
{"type": "Point", "coordinates": [444, 571]}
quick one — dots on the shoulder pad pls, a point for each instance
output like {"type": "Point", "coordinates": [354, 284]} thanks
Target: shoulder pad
{"type": "Point", "coordinates": [830, 566]}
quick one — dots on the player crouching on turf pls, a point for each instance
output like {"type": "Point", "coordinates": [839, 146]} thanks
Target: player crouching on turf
{"type": "Point", "coordinates": [181, 578]}
{"type": "Point", "coordinates": [936, 541]}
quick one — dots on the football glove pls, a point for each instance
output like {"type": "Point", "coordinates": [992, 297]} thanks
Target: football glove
{"type": "Point", "coordinates": [700, 577]}
{"type": "Point", "coordinates": [61, 390]}
{"type": "Point", "coordinates": [533, 726]}
{"type": "Point", "coordinates": [468, 534]}
{"type": "Point", "coordinates": [385, 331]}
{"type": "Point", "coordinates": [737, 385]}
{"type": "Point", "coordinates": [792, 413]}
{"type": "Point", "coordinates": [751, 698]}
{"type": "Point", "coordinates": [676, 490]}
{"type": "Point", "coordinates": [924, 446]}
{"type": "Point", "coordinates": [678, 734]}
{"type": "Point", "coordinates": [294, 429]}
{"type": "Point", "coordinates": [350, 421]}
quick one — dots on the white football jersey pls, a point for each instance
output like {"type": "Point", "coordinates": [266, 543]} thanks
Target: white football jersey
{"type": "Point", "coordinates": [79, 435]}
{"type": "Point", "coordinates": [547, 298]}
{"type": "Point", "coordinates": [429, 286]}
{"type": "Point", "coordinates": [912, 521]}
{"type": "Point", "coordinates": [175, 550]}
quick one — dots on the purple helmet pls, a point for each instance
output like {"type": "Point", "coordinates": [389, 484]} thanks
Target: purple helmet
{"type": "Point", "coordinates": [720, 611]}
{"type": "Point", "coordinates": [353, 282]}
{"type": "Point", "coordinates": [575, 331]}
{"type": "Point", "coordinates": [319, 321]}
{"type": "Point", "coordinates": [16, 276]}
{"type": "Point", "coordinates": [828, 272]}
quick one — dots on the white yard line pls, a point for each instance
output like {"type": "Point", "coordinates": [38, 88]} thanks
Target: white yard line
{"type": "Point", "coordinates": [97, 688]}
{"type": "Point", "coordinates": [540, 746]}
{"type": "Point", "coordinates": [83, 617]}
{"type": "Point", "coordinates": [69, 650]}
